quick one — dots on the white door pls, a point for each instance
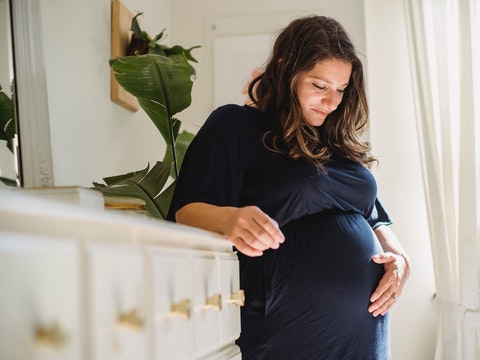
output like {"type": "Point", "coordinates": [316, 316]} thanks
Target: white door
{"type": "Point", "coordinates": [40, 312]}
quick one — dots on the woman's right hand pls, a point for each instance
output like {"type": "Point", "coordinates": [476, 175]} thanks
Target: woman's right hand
{"type": "Point", "coordinates": [248, 228]}
{"type": "Point", "coordinates": [252, 231]}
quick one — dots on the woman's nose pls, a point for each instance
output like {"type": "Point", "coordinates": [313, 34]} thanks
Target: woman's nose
{"type": "Point", "coordinates": [332, 99]}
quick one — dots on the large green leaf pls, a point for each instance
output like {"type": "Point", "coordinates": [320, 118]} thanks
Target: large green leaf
{"type": "Point", "coordinates": [159, 115]}
{"type": "Point", "coordinates": [131, 176]}
{"type": "Point", "coordinates": [162, 85]}
{"type": "Point", "coordinates": [144, 184]}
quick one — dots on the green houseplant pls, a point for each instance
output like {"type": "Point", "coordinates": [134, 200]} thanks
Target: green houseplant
{"type": "Point", "coordinates": [7, 127]}
{"type": "Point", "coordinates": [160, 77]}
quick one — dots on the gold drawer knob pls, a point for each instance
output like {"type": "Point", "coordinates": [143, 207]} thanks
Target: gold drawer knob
{"type": "Point", "coordinates": [214, 302]}
{"type": "Point", "coordinates": [238, 298]}
{"type": "Point", "coordinates": [181, 309]}
{"type": "Point", "coordinates": [51, 335]}
{"type": "Point", "coordinates": [130, 320]}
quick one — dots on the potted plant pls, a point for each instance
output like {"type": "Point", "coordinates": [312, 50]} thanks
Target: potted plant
{"type": "Point", "coordinates": [160, 77]}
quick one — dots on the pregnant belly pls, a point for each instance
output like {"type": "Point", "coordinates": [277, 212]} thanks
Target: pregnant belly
{"type": "Point", "coordinates": [309, 299]}
{"type": "Point", "coordinates": [326, 259]}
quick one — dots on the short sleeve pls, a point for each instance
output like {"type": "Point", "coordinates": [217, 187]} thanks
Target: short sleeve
{"type": "Point", "coordinates": [379, 215]}
{"type": "Point", "coordinates": [212, 168]}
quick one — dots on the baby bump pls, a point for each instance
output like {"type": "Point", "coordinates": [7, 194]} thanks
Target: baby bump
{"type": "Point", "coordinates": [314, 291]}
{"type": "Point", "coordinates": [326, 258]}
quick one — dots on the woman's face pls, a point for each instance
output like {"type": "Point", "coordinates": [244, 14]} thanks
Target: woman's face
{"type": "Point", "coordinates": [321, 89]}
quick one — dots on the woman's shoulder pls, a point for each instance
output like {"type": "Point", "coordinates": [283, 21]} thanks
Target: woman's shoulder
{"type": "Point", "coordinates": [234, 117]}
{"type": "Point", "coordinates": [236, 112]}
{"type": "Point", "coordinates": [229, 127]}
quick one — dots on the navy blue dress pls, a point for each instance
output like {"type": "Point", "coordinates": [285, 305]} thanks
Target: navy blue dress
{"type": "Point", "coordinates": [308, 299]}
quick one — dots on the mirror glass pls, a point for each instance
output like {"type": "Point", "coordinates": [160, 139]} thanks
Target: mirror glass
{"type": "Point", "coordinates": [8, 164]}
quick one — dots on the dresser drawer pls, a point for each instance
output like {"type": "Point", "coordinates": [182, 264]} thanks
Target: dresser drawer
{"type": "Point", "coordinates": [117, 302]}
{"type": "Point", "coordinates": [171, 303]}
{"type": "Point", "coordinates": [207, 303]}
{"type": "Point", "coordinates": [232, 297]}
{"type": "Point", "coordinates": [40, 312]}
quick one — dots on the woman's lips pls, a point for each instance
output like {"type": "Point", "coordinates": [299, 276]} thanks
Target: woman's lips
{"type": "Point", "coordinates": [321, 112]}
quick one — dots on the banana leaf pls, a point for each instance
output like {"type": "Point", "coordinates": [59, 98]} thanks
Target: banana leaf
{"type": "Point", "coordinates": [144, 184]}
{"type": "Point", "coordinates": [162, 86]}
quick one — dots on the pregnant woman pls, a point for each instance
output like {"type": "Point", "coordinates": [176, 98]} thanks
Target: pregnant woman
{"type": "Point", "coordinates": [285, 178]}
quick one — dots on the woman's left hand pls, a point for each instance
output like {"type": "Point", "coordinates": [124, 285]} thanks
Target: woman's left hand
{"type": "Point", "coordinates": [390, 287]}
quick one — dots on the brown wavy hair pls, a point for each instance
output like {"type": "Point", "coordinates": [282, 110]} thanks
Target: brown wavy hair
{"type": "Point", "coordinates": [303, 43]}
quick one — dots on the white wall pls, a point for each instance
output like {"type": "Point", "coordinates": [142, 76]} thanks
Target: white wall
{"type": "Point", "coordinates": [394, 140]}
{"type": "Point", "coordinates": [93, 137]}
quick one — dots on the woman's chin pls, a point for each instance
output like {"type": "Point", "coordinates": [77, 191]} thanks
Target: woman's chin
{"type": "Point", "coordinates": [316, 122]}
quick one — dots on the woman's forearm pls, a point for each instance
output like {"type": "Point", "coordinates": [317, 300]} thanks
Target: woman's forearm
{"type": "Point", "coordinates": [390, 243]}
{"type": "Point", "coordinates": [205, 216]}
{"type": "Point", "coordinates": [249, 229]}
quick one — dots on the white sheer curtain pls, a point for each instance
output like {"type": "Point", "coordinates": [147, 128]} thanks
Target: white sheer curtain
{"type": "Point", "coordinates": [444, 41]}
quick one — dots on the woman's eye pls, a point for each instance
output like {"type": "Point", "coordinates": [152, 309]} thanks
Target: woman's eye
{"type": "Point", "coordinates": [341, 91]}
{"type": "Point", "coordinates": [318, 87]}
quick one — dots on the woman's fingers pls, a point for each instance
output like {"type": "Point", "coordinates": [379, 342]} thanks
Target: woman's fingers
{"type": "Point", "coordinates": [246, 249]}
{"type": "Point", "coordinates": [254, 231]}
{"type": "Point", "coordinates": [390, 286]}
{"type": "Point", "coordinates": [267, 231]}
{"type": "Point", "coordinates": [384, 303]}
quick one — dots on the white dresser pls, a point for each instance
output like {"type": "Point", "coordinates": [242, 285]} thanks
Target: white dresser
{"type": "Point", "coordinates": [81, 283]}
